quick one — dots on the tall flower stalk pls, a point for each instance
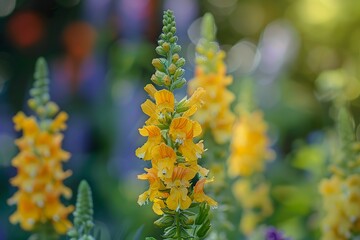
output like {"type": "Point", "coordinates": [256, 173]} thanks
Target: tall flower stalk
{"type": "Point", "coordinates": [341, 190]}
{"type": "Point", "coordinates": [216, 119]}
{"type": "Point", "coordinates": [210, 74]}
{"type": "Point", "coordinates": [176, 181]}
{"type": "Point", "coordinates": [83, 215]}
{"type": "Point", "coordinates": [249, 152]}
{"type": "Point", "coordinates": [40, 174]}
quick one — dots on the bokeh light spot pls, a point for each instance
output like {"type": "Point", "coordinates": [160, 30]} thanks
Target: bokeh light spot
{"type": "Point", "coordinates": [6, 7]}
{"type": "Point", "coordinates": [25, 29]}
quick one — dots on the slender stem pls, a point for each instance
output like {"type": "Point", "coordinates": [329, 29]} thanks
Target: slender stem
{"type": "Point", "coordinates": [177, 222]}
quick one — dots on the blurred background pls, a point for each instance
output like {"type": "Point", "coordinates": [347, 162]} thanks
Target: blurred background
{"type": "Point", "coordinates": [99, 53]}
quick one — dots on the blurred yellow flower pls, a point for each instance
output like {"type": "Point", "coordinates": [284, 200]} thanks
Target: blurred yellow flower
{"type": "Point", "coordinates": [40, 175]}
{"type": "Point", "coordinates": [199, 195]}
{"type": "Point", "coordinates": [341, 199]}
{"type": "Point", "coordinates": [215, 114]}
{"type": "Point", "coordinates": [249, 146]}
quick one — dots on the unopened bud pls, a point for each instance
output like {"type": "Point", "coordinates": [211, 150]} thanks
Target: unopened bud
{"type": "Point", "coordinates": [179, 83]}
{"type": "Point", "coordinates": [166, 47]}
{"type": "Point", "coordinates": [156, 80]}
{"type": "Point", "coordinates": [172, 68]}
{"type": "Point", "coordinates": [32, 103]}
{"type": "Point", "coordinates": [167, 80]}
{"type": "Point", "coordinates": [177, 49]}
{"type": "Point", "coordinates": [175, 58]}
{"type": "Point", "coordinates": [159, 50]}
{"type": "Point", "coordinates": [158, 64]}
{"type": "Point", "coordinates": [180, 62]}
{"type": "Point", "coordinates": [178, 73]}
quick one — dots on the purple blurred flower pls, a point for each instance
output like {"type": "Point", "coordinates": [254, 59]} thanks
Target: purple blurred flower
{"type": "Point", "coordinates": [273, 234]}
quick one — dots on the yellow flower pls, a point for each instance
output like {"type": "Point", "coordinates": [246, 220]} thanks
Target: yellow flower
{"type": "Point", "coordinates": [163, 159]}
{"type": "Point", "coordinates": [215, 114]}
{"type": "Point", "coordinates": [154, 138]}
{"type": "Point", "coordinates": [199, 195]}
{"type": "Point", "coordinates": [40, 175]}
{"type": "Point", "coordinates": [164, 104]}
{"type": "Point", "coordinates": [249, 146]}
{"type": "Point", "coordinates": [341, 198]}
{"type": "Point", "coordinates": [178, 185]}
{"type": "Point", "coordinates": [155, 188]}
{"type": "Point", "coordinates": [182, 131]}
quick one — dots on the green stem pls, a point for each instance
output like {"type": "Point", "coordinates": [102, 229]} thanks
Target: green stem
{"type": "Point", "coordinates": [177, 222]}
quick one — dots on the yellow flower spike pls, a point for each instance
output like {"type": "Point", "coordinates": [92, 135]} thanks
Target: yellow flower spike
{"type": "Point", "coordinates": [170, 146]}
{"type": "Point", "coordinates": [154, 138]}
{"type": "Point", "coordinates": [40, 174]}
{"type": "Point", "coordinates": [210, 74]}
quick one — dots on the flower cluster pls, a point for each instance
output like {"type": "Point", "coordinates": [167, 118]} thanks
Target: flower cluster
{"type": "Point", "coordinates": [210, 74]}
{"type": "Point", "coordinates": [341, 205]}
{"type": "Point", "coordinates": [175, 178]}
{"type": "Point", "coordinates": [249, 146]}
{"type": "Point", "coordinates": [249, 152]}
{"type": "Point", "coordinates": [341, 191]}
{"type": "Point", "coordinates": [39, 163]}
{"type": "Point", "coordinates": [255, 202]}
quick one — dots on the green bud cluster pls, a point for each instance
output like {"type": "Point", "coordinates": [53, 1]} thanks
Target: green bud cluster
{"type": "Point", "coordinates": [83, 215]}
{"type": "Point", "coordinates": [40, 99]}
{"type": "Point", "coordinates": [169, 72]}
{"type": "Point", "coordinates": [207, 48]}
{"type": "Point", "coordinates": [185, 224]}
{"type": "Point", "coordinates": [350, 160]}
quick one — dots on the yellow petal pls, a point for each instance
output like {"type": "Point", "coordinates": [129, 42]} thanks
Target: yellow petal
{"type": "Point", "coordinates": [150, 89]}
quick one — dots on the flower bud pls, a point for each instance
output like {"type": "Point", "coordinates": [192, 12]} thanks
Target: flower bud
{"type": "Point", "coordinates": [172, 68]}
{"type": "Point", "coordinates": [158, 64]}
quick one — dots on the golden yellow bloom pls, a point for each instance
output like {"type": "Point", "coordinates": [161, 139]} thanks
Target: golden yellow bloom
{"type": "Point", "coordinates": [199, 195]}
{"type": "Point", "coordinates": [249, 146]}
{"type": "Point", "coordinates": [163, 159]}
{"type": "Point", "coordinates": [182, 131]}
{"type": "Point", "coordinates": [40, 175]}
{"type": "Point", "coordinates": [342, 207]}
{"type": "Point", "coordinates": [164, 104]}
{"type": "Point", "coordinates": [178, 185]}
{"type": "Point", "coordinates": [154, 138]}
{"type": "Point", "coordinates": [215, 114]}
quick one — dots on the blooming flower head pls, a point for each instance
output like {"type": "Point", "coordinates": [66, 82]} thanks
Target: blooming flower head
{"type": "Point", "coordinates": [40, 174]}
{"type": "Point", "coordinates": [172, 148]}
{"type": "Point", "coordinates": [341, 204]}
{"type": "Point", "coordinates": [341, 191]}
{"type": "Point", "coordinates": [249, 146]}
{"type": "Point", "coordinates": [210, 74]}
